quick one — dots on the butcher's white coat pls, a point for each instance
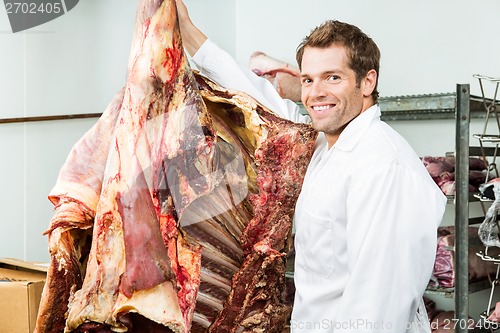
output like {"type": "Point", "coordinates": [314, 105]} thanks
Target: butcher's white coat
{"type": "Point", "coordinates": [366, 219]}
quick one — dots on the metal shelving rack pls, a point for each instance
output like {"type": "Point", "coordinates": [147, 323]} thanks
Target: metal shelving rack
{"type": "Point", "coordinates": [485, 314]}
{"type": "Point", "coordinates": [488, 151]}
{"type": "Point", "coordinates": [460, 106]}
{"type": "Point", "coordinates": [485, 138]}
{"type": "Point", "coordinates": [491, 141]}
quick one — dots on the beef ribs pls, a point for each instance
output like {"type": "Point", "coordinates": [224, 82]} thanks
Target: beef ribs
{"type": "Point", "coordinates": [178, 219]}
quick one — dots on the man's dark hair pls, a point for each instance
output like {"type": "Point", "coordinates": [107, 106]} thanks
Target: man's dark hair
{"type": "Point", "coordinates": [362, 52]}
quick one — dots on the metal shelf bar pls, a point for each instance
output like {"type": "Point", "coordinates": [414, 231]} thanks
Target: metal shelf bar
{"type": "Point", "coordinates": [49, 118]}
{"type": "Point", "coordinates": [462, 206]}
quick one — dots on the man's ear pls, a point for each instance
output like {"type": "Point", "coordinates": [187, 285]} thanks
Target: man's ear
{"type": "Point", "coordinates": [369, 82]}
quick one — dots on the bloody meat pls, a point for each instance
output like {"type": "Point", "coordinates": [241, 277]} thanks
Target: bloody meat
{"type": "Point", "coordinates": [179, 218]}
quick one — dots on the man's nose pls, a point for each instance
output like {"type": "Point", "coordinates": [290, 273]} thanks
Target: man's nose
{"type": "Point", "coordinates": [317, 89]}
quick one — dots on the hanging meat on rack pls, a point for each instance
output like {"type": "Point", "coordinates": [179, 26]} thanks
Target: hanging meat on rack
{"type": "Point", "coordinates": [284, 77]}
{"type": "Point", "coordinates": [444, 274]}
{"type": "Point", "coordinates": [174, 212]}
{"type": "Point", "coordinates": [442, 171]}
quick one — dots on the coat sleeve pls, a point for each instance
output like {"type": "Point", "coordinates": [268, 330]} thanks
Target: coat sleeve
{"type": "Point", "coordinates": [392, 221]}
{"type": "Point", "coordinates": [219, 66]}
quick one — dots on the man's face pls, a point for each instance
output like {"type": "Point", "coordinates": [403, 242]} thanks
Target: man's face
{"type": "Point", "coordinates": [329, 90]}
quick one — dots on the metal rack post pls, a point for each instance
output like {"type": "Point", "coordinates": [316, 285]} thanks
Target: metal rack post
{"type": "Point", "coordinates": [462, 208]}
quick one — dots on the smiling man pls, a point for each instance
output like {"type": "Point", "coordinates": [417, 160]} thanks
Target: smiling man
{"type": "Point", "coordinates": [332, 91]}
{"type": "Point", "coordinates": [367, 215]}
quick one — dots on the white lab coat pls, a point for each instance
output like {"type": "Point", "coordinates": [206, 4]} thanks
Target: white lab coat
{"type": "Point", "coordinates": [365, 220]}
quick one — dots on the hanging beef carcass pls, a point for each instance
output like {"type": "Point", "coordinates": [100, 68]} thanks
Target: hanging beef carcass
{"type": "Point", "coordinates": [174, 212]}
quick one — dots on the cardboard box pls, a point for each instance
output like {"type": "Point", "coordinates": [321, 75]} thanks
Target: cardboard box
{"type": "Point", "coordinates": [21, 285]}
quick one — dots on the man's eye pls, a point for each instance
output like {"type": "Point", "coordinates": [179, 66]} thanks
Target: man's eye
{"type": "Point", "coordinates": [333, 78]}
{"type": "Point", "coordinates": [306, 81]}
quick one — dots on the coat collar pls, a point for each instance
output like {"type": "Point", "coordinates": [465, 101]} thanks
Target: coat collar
{"type": "Point", "coordinates": [354, 131]}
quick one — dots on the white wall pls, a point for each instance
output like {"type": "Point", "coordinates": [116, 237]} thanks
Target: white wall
{"type": "Point", "coordinates": [427, 46]}
{"type": "Point", "coordinates": [71, 65]}
{"type": "Point", "coordinates": [76, 63]}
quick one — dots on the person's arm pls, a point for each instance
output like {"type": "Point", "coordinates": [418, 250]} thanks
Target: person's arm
{"type": "Point", "coordinates": [220, 67]}
{"type": "Point", "coordinates": [393, 214]}
{"type": "Point", "coordinates": [192, 37]}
